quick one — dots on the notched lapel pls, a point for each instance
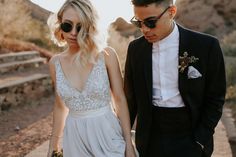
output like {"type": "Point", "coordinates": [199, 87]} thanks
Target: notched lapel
{"type": "Point", "coordinates": [183, 47]}
{"type": "Point", "coordinates": [147, 58]}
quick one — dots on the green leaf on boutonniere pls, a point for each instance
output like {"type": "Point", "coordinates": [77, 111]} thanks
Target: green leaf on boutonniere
{"type": "Point", "coordinates": [185, 61]}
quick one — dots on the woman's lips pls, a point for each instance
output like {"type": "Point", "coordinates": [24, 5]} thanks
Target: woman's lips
{"type": "Point", "coordinates": [72, 39]}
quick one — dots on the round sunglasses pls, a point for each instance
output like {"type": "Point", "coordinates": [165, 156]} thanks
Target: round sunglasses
{"type": "Point", "coordinates": [149, 22]}
{"type": "Point", "coordinates": [67, 27]}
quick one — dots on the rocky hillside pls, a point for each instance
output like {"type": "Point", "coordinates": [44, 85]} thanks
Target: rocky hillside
{"type": "Point", "coordinates": [216, 17]}
{"type": "Point", "coordinates": [38, 12]}
{"type": "Point", "coordinates": [26, 22]}
{"type": "Point", "coordinates": [126, 29]}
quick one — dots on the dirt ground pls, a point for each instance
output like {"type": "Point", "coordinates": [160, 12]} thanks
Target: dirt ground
{"type": "Point", "coordinates": [24, 128]}
{"type": "Point", "coordinates": [232, 106]}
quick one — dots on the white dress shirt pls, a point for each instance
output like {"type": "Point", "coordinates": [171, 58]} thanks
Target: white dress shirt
{"type": "Point", "coordinates": [165, 61]}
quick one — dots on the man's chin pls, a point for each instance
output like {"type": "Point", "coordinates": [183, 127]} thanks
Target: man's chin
{"type": "Point", "coordinates": [151, 40]}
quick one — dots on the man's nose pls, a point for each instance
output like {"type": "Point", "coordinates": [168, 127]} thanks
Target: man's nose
{"type": "Point", "coordinates": [144, 28]}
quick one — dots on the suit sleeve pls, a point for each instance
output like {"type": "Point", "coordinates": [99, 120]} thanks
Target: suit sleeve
{"type": "Point", "coordinates": [129, 86]}
{"type": "Point", "coordinates": [214, 96]}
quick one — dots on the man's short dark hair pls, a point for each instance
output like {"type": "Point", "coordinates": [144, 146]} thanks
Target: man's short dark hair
{"type": "Point", "coordinates": [147, 2]}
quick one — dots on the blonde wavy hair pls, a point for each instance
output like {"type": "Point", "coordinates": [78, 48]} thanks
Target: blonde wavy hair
{"type": "Point", "coordinates": [87, 38]}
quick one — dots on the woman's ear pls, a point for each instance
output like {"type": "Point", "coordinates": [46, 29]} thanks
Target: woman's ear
{"type": "Point", "coordinates": [62, 37]}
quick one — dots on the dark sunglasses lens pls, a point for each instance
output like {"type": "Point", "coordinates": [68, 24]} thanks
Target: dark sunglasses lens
{"type": "Point", "coordinates": [150, 23]}
{"type": "Point", "coordinates": [78, 28]}
{"type": "Point", "coordinates": [66, 27]}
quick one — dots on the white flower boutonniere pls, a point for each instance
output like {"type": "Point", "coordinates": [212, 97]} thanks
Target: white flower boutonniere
{"type": "Point", "coordinates": [185, 60]}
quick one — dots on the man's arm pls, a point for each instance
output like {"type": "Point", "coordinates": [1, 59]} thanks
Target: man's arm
{"type": "Point", "coordinates": [129, 86]}
{"type": "Point", "coordinates": [214, 96]}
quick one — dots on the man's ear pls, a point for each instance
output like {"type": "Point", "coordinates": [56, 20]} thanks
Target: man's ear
{"type": "Point", "coordinates": [172, 11]}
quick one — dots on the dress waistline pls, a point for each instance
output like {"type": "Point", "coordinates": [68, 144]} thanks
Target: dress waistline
{"type": "Point", "coordinates": [90, 113]}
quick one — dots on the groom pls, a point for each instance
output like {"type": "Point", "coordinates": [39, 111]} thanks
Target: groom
{"type": "Point", "coordinates": [174, 83]}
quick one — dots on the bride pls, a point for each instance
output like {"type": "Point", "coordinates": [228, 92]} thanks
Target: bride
{"type": "Point", "coordinates": [90, 110]}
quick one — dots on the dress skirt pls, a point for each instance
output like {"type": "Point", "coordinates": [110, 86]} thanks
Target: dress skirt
{"type": "Point", "coordinates": [95, 133]}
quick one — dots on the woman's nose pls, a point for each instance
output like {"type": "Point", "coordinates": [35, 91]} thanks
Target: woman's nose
{"type": "Point", "coordinates": [74, 31]}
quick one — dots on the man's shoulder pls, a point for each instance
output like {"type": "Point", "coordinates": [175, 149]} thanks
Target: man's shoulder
{"type": "Point", "coordinates": [138, 40]}
{"type": "Point", "coordinates": [192, 34]}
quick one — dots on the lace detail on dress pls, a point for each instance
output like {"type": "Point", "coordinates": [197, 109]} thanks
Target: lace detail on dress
{"type": "Point", "coordinates": [96, 92]}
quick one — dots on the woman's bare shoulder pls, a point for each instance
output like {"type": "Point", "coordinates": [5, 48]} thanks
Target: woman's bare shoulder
{"type": "Point", "coordinates": [109, 51]}
{"type": "Point", "coordinates": [54, 58]}
{"type": "Point", "coordinates": [111, 58]}
{"type": "Point", "coordinates": [109, 54]}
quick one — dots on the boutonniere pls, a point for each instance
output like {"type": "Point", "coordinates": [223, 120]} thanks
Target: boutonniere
{"type": "Point", "coordinates": [185, 60]}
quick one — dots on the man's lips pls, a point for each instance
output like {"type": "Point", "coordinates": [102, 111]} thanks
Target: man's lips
{"type": "Point", "coordinates": [149, 36]}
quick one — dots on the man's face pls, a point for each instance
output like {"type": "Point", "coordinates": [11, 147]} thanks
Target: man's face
{"type": "Point", "coordinates": [160, 20]}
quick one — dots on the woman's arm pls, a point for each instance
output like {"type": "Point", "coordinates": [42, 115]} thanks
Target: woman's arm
{"type": "Point", "coordinates": [120, 103]}
{"type": "Point", "coordinates": [60, 112]}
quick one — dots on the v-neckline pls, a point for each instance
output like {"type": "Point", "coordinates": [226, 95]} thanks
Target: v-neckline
{"type": "Point", "coordinates": [85, 84]}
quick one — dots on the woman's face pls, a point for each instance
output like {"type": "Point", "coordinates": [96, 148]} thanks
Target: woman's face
{"type": "Point", "coordinates": [70, 27]}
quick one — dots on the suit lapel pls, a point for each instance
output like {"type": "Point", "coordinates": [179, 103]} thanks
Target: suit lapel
{"type": "Point", "coordinates": [183, 47]}
{"type": "Point", "coordinates": [147, 57]}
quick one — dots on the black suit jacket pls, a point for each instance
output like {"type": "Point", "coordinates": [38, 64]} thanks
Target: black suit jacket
{"type": "Point", "coordinates": [204, 96]}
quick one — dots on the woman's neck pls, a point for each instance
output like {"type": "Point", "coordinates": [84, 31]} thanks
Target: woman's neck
{"type": "Point", "coordinates": [73, 50]}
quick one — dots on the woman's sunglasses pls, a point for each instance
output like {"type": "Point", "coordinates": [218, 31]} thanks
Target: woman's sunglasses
{"type": "Point", "coordinates": [67, 27]}
{"type": "Point", "coordinates": [149, 22]}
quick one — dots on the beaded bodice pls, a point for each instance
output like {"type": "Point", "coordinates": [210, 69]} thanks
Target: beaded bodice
{"type": "Point", "coordinates": [96, 92]}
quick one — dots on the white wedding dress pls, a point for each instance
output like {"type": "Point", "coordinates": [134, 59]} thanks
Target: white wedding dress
{"type": "Point", "coordinates": [92, 128]}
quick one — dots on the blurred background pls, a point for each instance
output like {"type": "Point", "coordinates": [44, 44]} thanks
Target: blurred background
{"type": "Point", "coordinates": [26, 94]}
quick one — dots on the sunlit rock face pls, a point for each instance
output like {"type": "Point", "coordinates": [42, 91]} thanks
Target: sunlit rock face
{"type": "Point", "coordinates": [215, 17]}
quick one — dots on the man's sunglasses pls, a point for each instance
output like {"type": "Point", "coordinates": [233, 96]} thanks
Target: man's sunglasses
{"type": "Point", "coordinates": [67, 27]}
{"type": "Point", "coordinates": [149, 22]}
